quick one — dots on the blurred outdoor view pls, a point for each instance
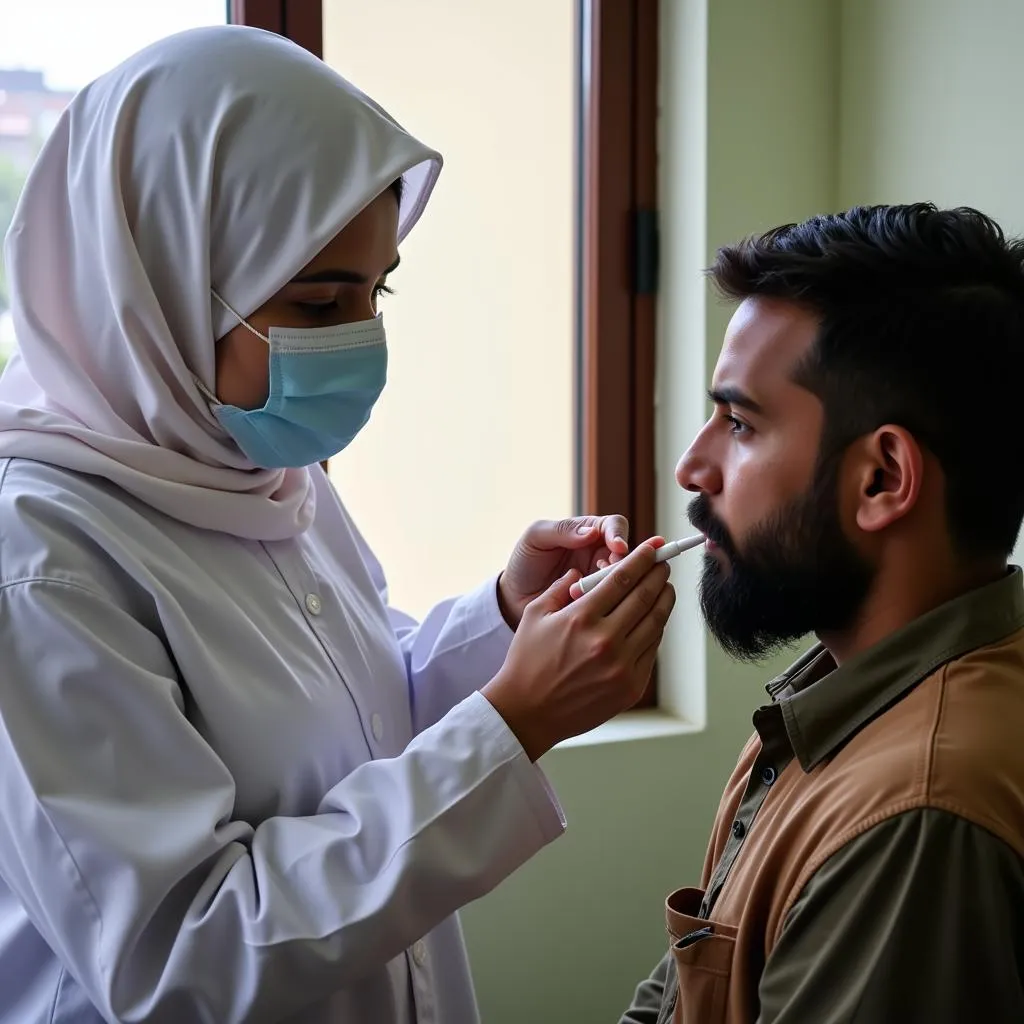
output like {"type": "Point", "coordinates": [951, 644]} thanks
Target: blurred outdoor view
{"type": "Point", "coordinates": [28, 111]}
{"type": "Point", "coordinates": [49, 49]}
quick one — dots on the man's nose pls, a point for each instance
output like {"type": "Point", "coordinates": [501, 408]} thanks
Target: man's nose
{"type": "Point", "coordinates": [697, 472]}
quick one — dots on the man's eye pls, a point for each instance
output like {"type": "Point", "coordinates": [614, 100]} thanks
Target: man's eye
{"type": "Point", "coordinates": [736, 426]}
{"type": "Point", "coordinates": [382, 289]}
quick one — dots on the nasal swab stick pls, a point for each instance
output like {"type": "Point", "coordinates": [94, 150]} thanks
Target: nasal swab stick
{"type": "Point", "coordinates": [665, 552]}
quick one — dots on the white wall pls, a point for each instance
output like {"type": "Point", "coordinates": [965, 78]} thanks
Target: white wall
{"type": "Point", "coordinates": [476, 424]}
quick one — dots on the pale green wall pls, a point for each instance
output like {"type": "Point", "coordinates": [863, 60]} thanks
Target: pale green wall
{"type": "Point", "coordinates": [933, 104]}
{"type": "Point", "coordinates": [771, 110]}
{"type": "Point", "coordinates": [932, 107]}
{"type": "Point", "coordinates": [747, 140]}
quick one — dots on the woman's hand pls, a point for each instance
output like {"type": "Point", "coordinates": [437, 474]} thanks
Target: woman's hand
{"type": "Point", "coordinates": [548, 550]}
{"type": "Point", "coordinates": [575, 664]}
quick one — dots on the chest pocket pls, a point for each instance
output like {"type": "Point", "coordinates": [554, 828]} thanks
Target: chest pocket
{"type": "Point", "coordinates": [703, 954]}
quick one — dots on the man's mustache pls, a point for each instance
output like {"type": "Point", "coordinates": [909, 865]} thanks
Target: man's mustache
{"type": "Point", "coordinates": [703, 519]}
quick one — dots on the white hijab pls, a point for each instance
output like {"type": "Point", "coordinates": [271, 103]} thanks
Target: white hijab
{"type": "Point", "coordinates": [220, 157]}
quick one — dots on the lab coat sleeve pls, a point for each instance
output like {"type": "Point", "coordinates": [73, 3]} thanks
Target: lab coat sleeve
{"type": "Point", "coordinates": [119, 839]}
{"type": "Point", "coordinates": [457, 648]}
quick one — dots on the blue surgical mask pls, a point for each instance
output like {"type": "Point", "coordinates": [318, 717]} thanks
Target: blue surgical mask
{"type": "Point", "coordinates": [323, 383]}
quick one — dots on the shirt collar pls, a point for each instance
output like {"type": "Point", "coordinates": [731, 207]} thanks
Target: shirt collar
{"type": "Point", "coordinates": [823, 706]}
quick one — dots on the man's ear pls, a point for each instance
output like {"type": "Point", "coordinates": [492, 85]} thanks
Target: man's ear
{"type": "Point", "coordinates": [890, 472]}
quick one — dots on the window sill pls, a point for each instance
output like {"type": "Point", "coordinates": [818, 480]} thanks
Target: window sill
{"type": "Point", "coordinates": [647, 724]}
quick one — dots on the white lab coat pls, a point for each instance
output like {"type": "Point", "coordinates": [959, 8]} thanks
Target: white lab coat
{"type": "Point", "coordinates": [235, 786]}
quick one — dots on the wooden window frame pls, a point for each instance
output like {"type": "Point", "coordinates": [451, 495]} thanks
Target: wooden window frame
{"type": "Point", "coordinates": [616, 262]}
{"type": "Point", "coordinates": [302, 21]}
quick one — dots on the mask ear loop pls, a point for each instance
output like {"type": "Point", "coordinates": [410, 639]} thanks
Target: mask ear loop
{"type": "Point", "coordinates": [203, 389]}
{"type": "Point", "coordinates": [210, 397]}
{"type": "Point", "coordinates": [241, 319]}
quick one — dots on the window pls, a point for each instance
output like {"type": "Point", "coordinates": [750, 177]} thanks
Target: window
{"type": "Point", "coordinates": [522, 382]}
{"type": "Point", "coordinates": [475, 434]}
{"type": "Point", "coordinates": [41, 68]}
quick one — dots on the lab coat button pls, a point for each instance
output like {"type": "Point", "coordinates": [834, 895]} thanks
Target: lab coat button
{"type": "Point", "coordinates": [313, 604]}
{"type": "Point", "coordinates": [419, 953]}
{"type": "Point", "coordinates": [377, 724]}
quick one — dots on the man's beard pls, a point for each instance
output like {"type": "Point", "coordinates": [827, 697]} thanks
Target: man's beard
{"type": "Point", "coordinates": [797, 574]}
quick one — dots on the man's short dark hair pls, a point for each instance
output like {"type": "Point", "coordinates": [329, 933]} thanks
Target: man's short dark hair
{"type": "Point", "coordinates": [921, 315]}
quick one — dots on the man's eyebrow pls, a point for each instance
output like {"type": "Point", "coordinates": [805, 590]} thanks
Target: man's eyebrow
{"type": "Point", "coordinates": [730, 395]}
{"type": "Point", "coordinates": [336, 276]}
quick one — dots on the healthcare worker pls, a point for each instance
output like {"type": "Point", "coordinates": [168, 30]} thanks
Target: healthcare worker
{"type": "Point", "coordinates": [234, 785]}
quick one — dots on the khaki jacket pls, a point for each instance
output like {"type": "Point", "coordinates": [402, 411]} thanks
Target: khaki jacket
{"type": "Point", "coordinates": [866, 860]}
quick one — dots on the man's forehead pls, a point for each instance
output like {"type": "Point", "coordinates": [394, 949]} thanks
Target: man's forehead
{"type": "Point", "coordinates": [766, 338]}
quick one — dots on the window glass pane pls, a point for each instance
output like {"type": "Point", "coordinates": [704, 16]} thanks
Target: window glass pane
{"type": "Point", "coordinates": [474, 435]}
{"type": "Point", "coordinates": [48, 50]}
